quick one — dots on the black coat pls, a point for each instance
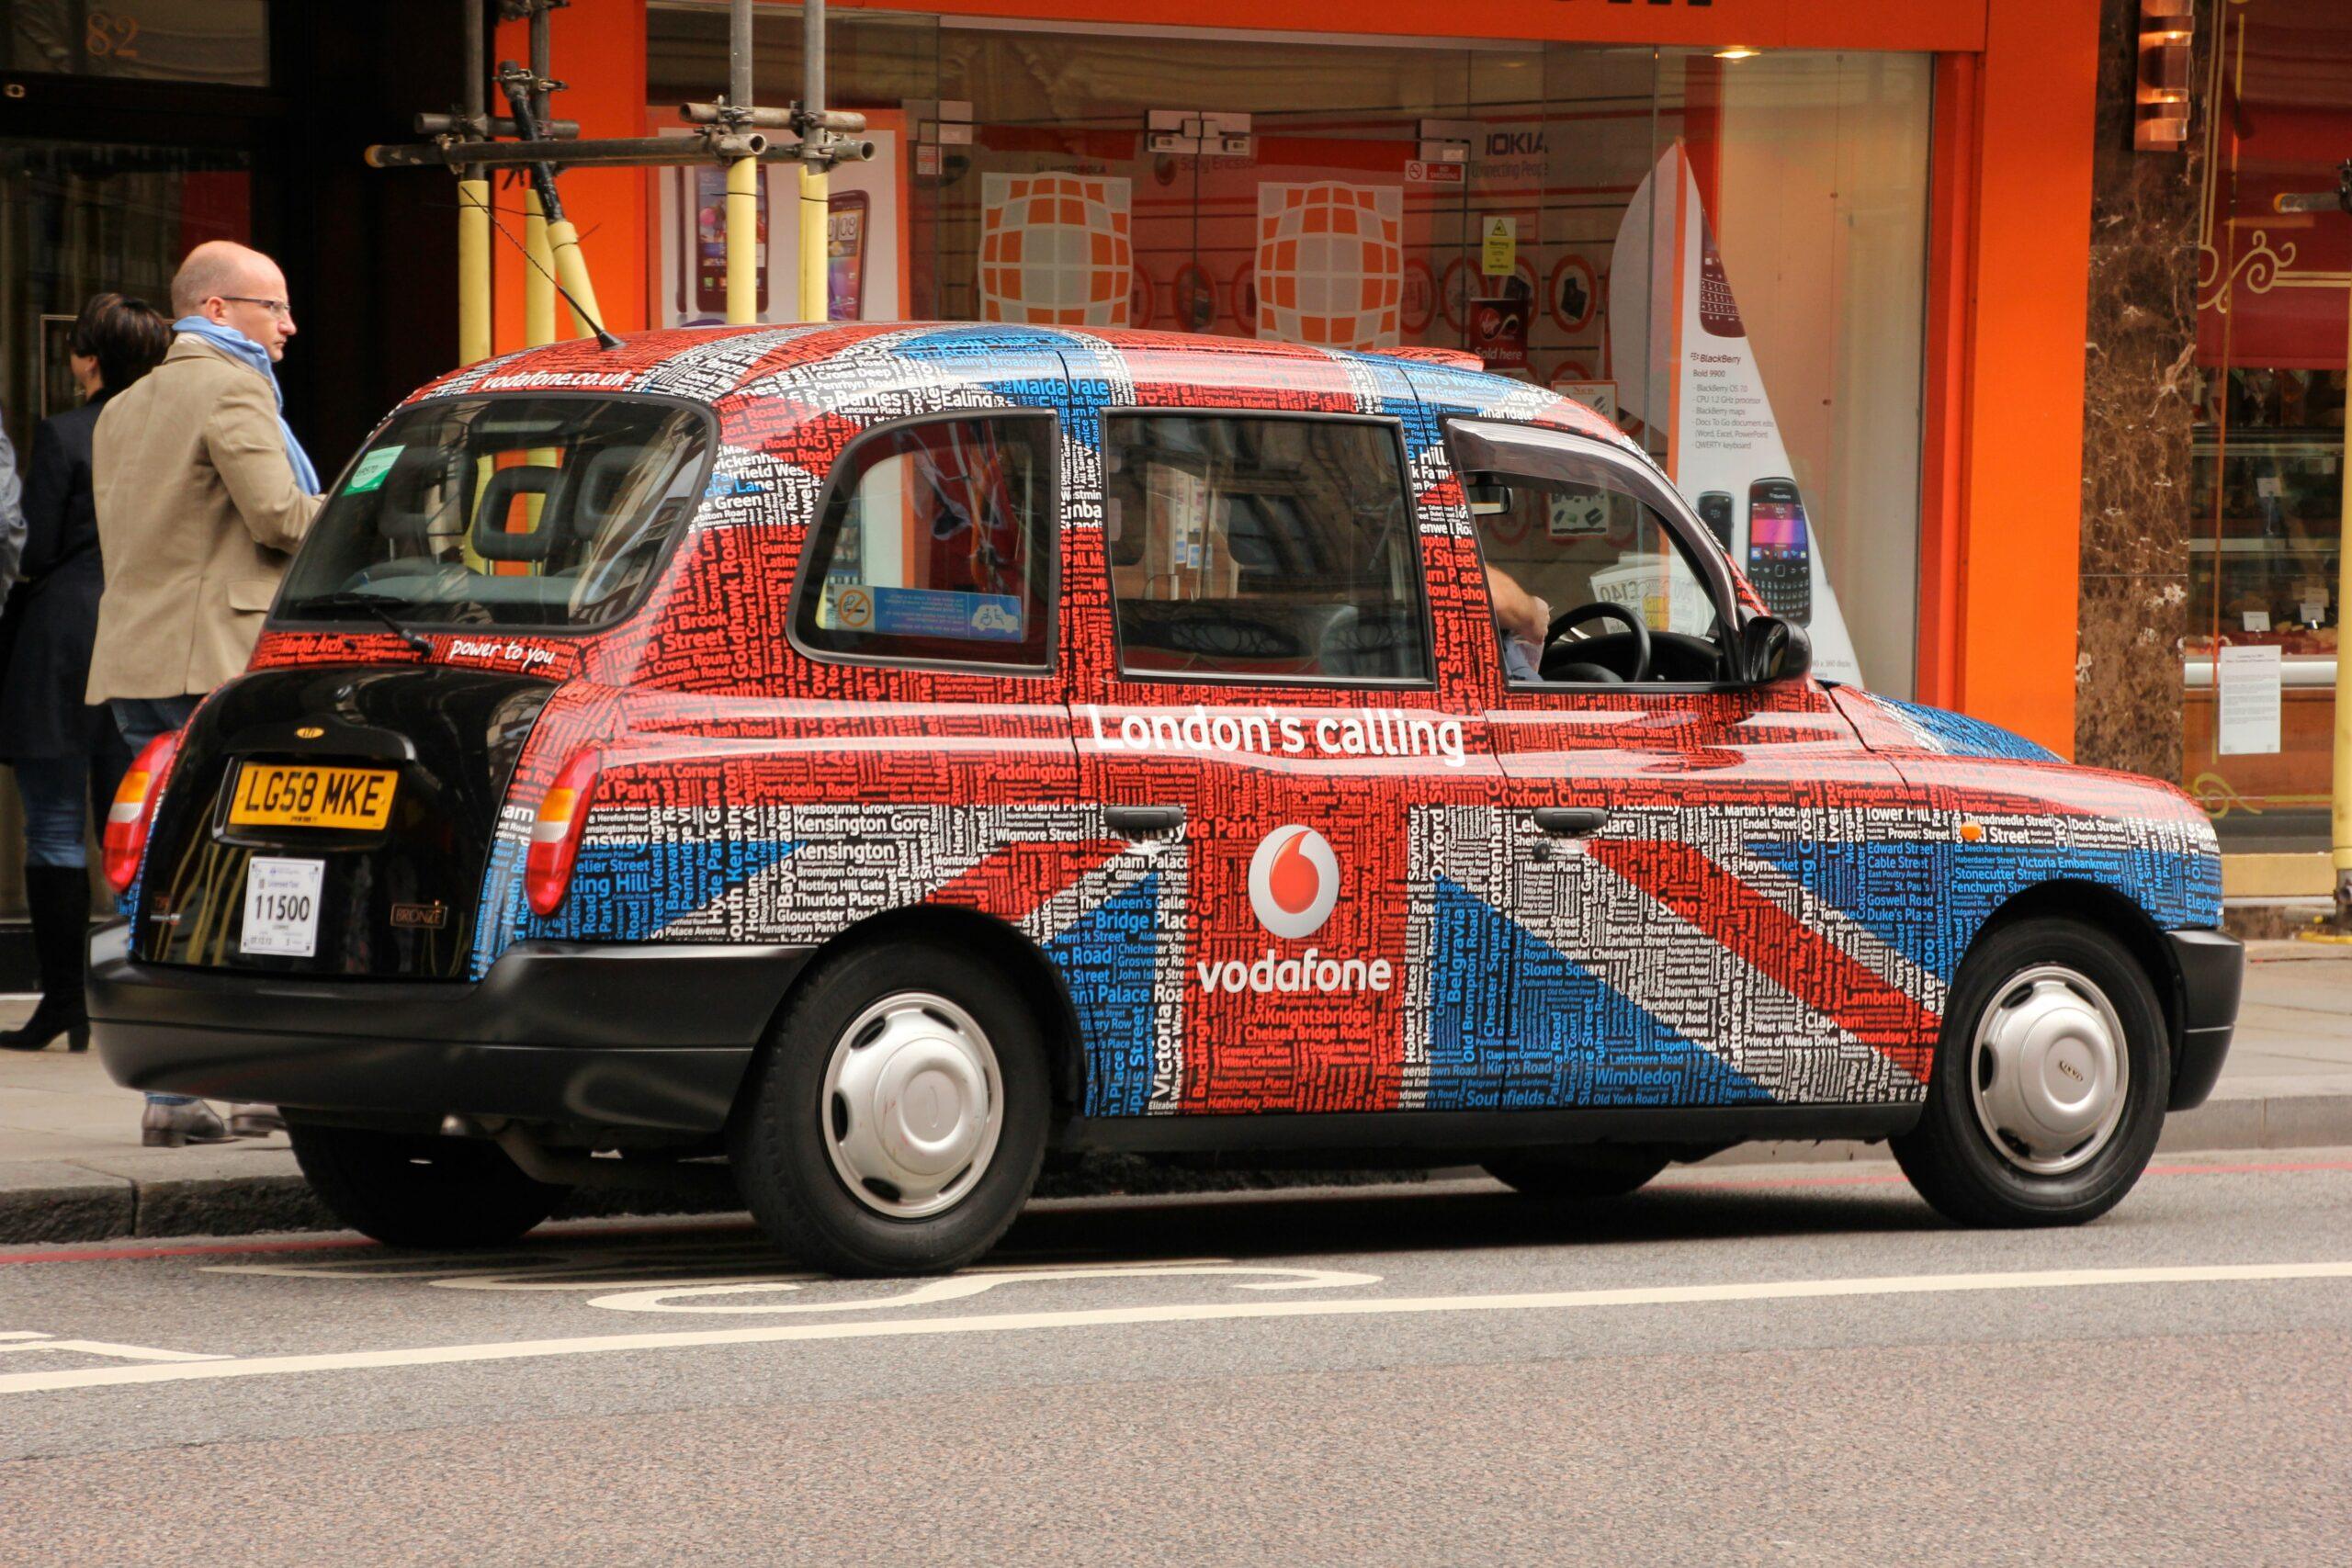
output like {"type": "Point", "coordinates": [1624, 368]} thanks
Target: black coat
{"type": "Point", "coordinates": [54, 613]}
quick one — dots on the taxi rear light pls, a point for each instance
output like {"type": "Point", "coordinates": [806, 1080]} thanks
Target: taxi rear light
{"type": "Point", "coordinates": [133, 811]}
{"type": "Point", "coordinates": [555, 834]}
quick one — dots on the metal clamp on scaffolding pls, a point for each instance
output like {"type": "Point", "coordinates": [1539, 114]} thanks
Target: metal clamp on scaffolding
{"type": "Point", "coordinates": [470, 141]}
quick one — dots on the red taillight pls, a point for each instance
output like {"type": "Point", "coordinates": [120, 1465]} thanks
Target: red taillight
{"type": "Point", "coordinates": [134, 809]}
{"type": "Point", "coordinates": [555, 835]}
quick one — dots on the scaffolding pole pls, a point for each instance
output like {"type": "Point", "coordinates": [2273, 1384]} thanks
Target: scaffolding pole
{"type": "Point", "coordinates": [743, 181]}
{"type": "Point", "coordinates": [466, 143]}
{"type": "Point", "coordinates": [816, 185]}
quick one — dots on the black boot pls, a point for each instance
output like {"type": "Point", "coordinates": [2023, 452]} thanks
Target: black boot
{"type": "Point", "coordinates": [60, 896]}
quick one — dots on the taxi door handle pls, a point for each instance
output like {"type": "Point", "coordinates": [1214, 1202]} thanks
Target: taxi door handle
{"type": "Point", "coordinates": [1144, 821]}
{"type": "Point", "coordinates": [1571, 821]}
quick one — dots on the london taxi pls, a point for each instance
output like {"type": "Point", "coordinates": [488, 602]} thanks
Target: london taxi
{"type": "Point", "coordinates": [882, 755]}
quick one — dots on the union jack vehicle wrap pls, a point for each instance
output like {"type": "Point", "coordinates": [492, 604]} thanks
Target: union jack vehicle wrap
{"type": "Point", "coordinates": [1247, 908]}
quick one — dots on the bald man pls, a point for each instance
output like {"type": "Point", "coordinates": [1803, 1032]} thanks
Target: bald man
{"type": "Point", "coordinates": [202, 494]}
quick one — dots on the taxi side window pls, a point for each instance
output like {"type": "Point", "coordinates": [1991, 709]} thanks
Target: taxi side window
{"type": "Point", "coordinates": [935, 544]}
{"type": "Point", "coordinates": [1275, 548]}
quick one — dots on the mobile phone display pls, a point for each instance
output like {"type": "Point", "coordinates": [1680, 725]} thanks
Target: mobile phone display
{"type": "Point", "coordinates": [845, 257]}
{"type": "Point", "coordinates": [1780, 549]}
{"type": "Point", "coordinates": [709, 208]}
{"type": "Point", "coordinates": [1718, 311]}
{"type": "Point", "coordinates": [1716, 509]}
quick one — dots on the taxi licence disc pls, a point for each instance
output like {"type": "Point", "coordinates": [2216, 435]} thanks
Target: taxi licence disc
{"type": "Point", "coordinates": [277, 794]}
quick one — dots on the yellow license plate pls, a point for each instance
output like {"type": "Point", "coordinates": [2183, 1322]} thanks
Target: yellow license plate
{"type": "Point", "coordinates": [270, 794]}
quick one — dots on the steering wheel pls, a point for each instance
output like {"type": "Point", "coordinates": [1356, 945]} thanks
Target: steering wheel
{"type": "Point", "coordinates": [1599, 610]}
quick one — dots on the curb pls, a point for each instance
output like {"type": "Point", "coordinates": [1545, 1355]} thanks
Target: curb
{"type": "Point", "coordinates": [250, 1189]}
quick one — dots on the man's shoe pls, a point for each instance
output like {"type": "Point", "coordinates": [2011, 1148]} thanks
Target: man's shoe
{"type": "Point", "coordinates": [168, 1123]}
{"type": "Point", "coordinates": [251, 1121]}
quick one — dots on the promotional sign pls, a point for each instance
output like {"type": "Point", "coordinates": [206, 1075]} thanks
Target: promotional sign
{"type": "Point", "coordinates": [1498, 332]}
{"type": "Point", "coordinates": [1685, 365]}
{"type": "Point", "coordinates": [864, 230]}
{"type": "Point", "coordinates": [1330, 264]}
{"type": "Point", "coordinates": [1056, 249]}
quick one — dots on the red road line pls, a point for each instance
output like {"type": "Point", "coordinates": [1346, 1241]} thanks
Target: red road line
{"type": "Point", "coordinates": [589, 1231]}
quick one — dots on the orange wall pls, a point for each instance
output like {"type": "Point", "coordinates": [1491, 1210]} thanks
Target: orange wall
{"type": "Point", "coordinates": [2020, 466]}
{"type": "Point", "coordinates": [599, 49]}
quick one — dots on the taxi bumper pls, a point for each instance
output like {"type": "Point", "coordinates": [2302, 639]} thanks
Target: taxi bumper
{"type": "Point", "coordinates": [648, 1035]}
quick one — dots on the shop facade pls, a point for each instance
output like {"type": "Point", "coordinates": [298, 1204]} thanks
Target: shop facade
{"type": "Point", "coordinates": [1885, 208]}
{"type": "Point", "coordinates": [1856, 233]}
{"type": "Point", "coordinates": [2264, 525]}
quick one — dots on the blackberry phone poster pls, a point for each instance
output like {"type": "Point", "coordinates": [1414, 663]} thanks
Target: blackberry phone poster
{"type": "Point", "coordinates": [1686, 366]}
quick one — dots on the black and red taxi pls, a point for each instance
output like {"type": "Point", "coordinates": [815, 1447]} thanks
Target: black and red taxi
{"type": "Point", "coordinates": [884, 755]}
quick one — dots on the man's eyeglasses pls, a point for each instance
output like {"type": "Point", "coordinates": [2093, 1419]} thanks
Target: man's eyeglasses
{"type": "Point", "coordinates": [282, 309]}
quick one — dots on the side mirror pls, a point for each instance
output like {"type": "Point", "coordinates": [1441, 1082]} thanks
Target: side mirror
{"type": "Point", "coordinates": [1772, 650]}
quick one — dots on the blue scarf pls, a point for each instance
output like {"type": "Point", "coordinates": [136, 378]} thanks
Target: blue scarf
{"type": "Point", "coordinates": [238, 346]}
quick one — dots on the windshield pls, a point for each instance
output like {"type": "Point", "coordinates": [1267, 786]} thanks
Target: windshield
{"type": "Point", "coordinates": [507, 512]}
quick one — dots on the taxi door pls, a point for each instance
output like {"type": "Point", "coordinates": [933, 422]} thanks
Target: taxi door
{"type": "Point", "coordinates": [1696, 914]}
{"type": "Point", "coordinates": [1256, 715]}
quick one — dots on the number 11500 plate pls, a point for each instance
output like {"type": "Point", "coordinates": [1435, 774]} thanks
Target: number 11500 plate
{"type": "Point", "coordinates": [273, 794]}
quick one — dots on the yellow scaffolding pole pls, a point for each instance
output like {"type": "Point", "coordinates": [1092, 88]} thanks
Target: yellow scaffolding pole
{"type": "Point", "coordinates": [743, 241]}
{"type": "Point", "coordinates": [815, 204]}
{"type": "Point", "coordinates": [539, 279]}
{"type": "Point", "coordinates": [572, 271]}
{"type": "Point", "coordinates": [473, 270]}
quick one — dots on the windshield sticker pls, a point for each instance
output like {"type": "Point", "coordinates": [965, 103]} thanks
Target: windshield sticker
{"type": "Point", "coordinates": [933, 611]}
{"type": "Point", "coordinates": [368, 472]}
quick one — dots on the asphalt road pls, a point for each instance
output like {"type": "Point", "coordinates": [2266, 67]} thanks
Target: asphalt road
{"type": "Point", "coordinates": [1735, 1366]}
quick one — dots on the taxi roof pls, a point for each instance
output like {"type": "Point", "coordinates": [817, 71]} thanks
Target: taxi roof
{"type": "Point", "coordinates": [837, 365]}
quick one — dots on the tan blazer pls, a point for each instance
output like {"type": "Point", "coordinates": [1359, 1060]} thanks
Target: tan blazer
{"type": "Point", "coordinates": [198, 509]}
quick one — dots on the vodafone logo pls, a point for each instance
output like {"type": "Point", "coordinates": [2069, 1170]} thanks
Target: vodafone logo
{"type": "Point", "coordinates": [1294, 882]}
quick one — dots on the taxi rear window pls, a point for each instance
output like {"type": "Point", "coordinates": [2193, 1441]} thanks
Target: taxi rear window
{"type": "Point", "coordinates": [540, 511]}
{"type": "Point", "coordinates": [1273, 549]}
{"type": "Point", "coordinates": [935, 545]}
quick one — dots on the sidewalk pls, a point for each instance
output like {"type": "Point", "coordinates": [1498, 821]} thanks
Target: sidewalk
{"type": "Point", "coordinates": [70, 1168]}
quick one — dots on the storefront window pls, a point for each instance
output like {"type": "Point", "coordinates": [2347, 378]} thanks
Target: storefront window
{"type": "Point", "coordinates": [76, 220]}
{"type": "Point", "coordinates": [2267, 503]}
{"type": "Point", "coordinates": [1523, 201]}
{"type": "Point", "coordinates": [221, 41]}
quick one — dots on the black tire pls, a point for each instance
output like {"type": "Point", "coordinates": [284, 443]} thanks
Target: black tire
{"type": "Point", "coordinates": [414, 1190]}
{"type": "Point", "coordinates": [1954, 1160]}
{"type": "Point", "coordinates": [1589, 1170]}
{"type": "Point", "coordinates": [781, 1149]}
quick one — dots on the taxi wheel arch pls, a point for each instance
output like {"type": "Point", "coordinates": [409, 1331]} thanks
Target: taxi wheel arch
{"type": "Point", "coordinates": [2035, 993]}
{"type": "Point", "coordinates": [811, 1142]}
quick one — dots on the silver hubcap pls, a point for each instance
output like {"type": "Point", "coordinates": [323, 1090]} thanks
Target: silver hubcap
{"type": "Point", "coordinates": [2049, 1072]}
{"type": "Point", "coordinates": [913, 1105]}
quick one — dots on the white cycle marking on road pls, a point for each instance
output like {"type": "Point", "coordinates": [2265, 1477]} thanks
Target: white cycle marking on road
{"type": "Point", "coordinates": [34, 1339]}
{"type": "Point", "coordinates": [1198, 1312]}
{"type": "Point", "coordinates": [958, 1287]}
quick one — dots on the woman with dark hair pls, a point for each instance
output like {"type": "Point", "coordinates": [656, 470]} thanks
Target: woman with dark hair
{"type": "Point", "coordinates": [68, 756]}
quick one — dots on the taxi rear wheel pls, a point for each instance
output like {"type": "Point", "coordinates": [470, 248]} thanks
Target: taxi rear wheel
{"type": "Point", "coordinates": [414, 1190]}
{"type": "Point", "coordinates": [896, 1119]}
{"type": "Point", "coordinates": [1597, 1170]}
{"type": "Point", "coordinates": [2049, 1080]}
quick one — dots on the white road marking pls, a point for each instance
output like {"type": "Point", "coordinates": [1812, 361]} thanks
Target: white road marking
{"type": "Point", "coordinates": [958, 1287]}
{"type": "Point", "coordinates": [34, 1339]}
{"type": "Point", "coordinates": [1200, 1312]}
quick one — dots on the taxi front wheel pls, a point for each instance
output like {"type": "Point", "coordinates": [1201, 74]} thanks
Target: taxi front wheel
{"type": "Point", "coordinates": [2049, 1080]}
{"type": "Point", "coordinates": [409, 1189]}
{"type": "Point", "coordinates": [896, 1119]}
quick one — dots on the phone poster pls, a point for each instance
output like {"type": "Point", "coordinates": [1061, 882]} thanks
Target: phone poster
{"type": "Point", "coordinates": [864, 233]}
{"type": "Point", "coordinates": [1699, 383]}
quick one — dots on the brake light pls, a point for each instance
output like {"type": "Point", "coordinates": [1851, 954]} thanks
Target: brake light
{"type": "Point", "coordinates": [555, 835]}
{"type": "Point", "coordinates": [133, 811]}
